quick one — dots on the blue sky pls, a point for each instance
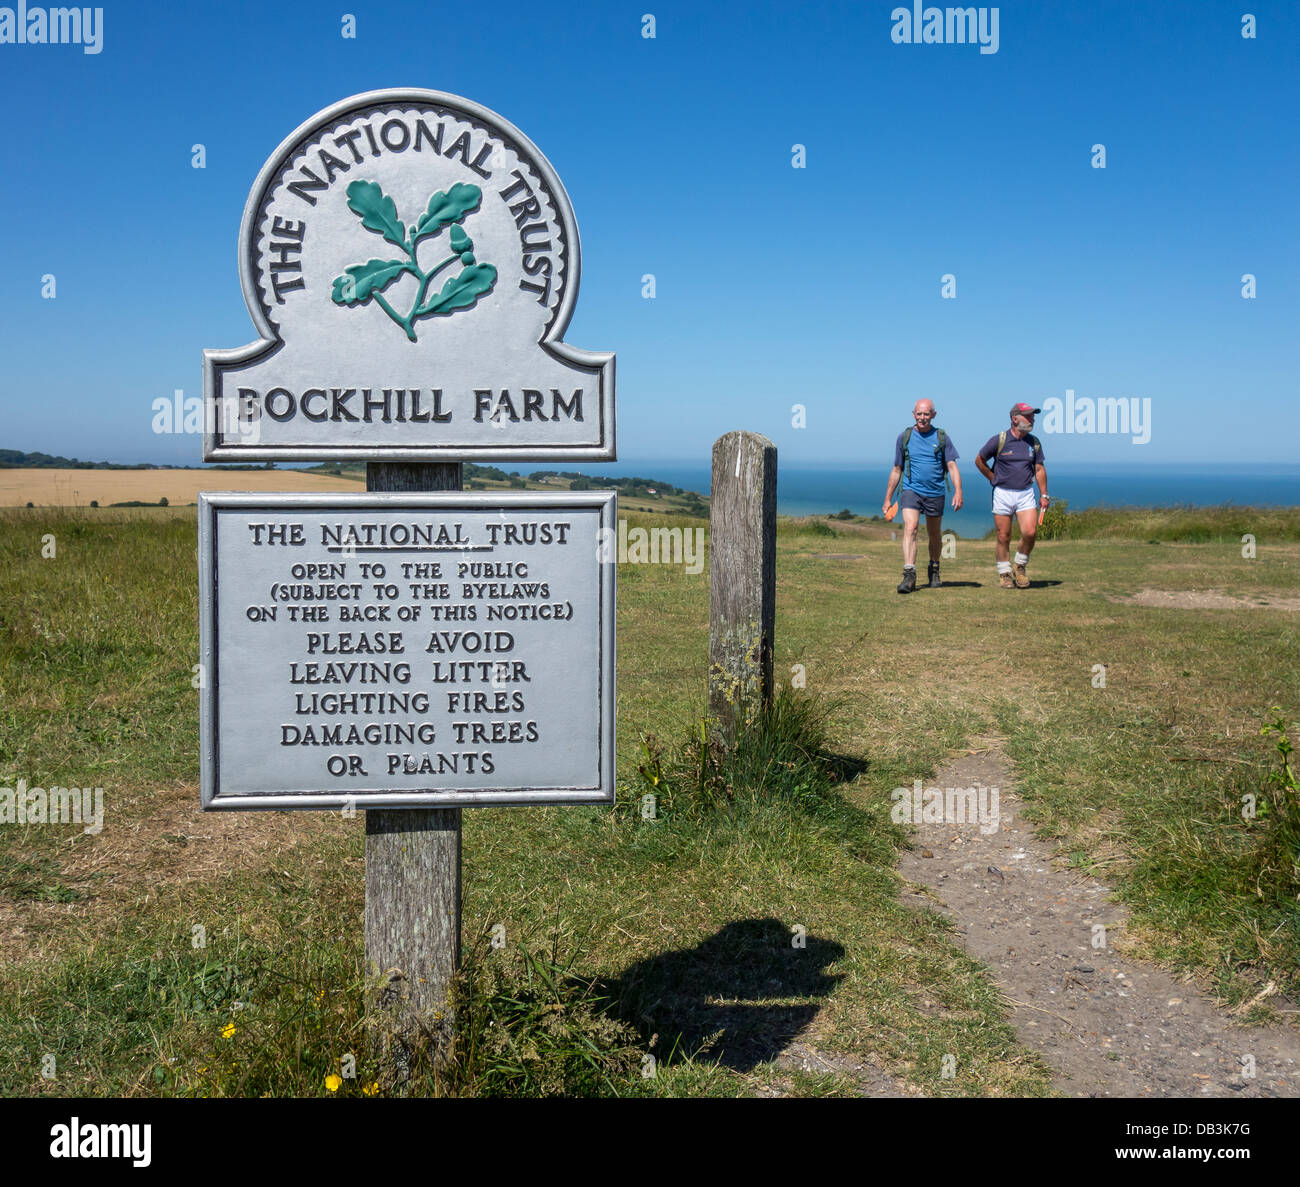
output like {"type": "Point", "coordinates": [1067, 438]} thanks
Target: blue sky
{"type": "Point", "coordinates": [775, 286]}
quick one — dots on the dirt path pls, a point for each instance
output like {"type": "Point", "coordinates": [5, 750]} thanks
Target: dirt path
{"type": "Point", "coordinates": [1109, 1025]}
{"type": "Point", "coordinates": [866, 1077]}
{"type": "Point", "coordinates": [1205, 599]}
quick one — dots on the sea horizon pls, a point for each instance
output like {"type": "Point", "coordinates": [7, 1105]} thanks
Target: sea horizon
{"type": "Point", "coordinates": [804, 489]}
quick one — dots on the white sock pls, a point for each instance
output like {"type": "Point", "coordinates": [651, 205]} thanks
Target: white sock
{"type": "Point", "coordinates": [906, 567]}
{"type": "Point", "coordinates": [1004, 566]}
{"type": "Point", "coordinates": [1021, 558]}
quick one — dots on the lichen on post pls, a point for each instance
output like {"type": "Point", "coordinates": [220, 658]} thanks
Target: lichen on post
{"type": "Point", "coordinates": [742, 580]}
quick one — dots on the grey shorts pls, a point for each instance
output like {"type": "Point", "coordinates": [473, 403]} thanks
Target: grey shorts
{"type": "Point", "coordinates": [925, 504]}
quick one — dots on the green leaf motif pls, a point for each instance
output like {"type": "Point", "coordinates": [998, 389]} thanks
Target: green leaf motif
{"type": "Point", "coordinates": [377, 211]}
{"type": "Point", "coordinates": [446, 208]}
{"type": "Point", "coordinates": [361, 281]}
{"type": "Point", "coordinates": [460, 292]}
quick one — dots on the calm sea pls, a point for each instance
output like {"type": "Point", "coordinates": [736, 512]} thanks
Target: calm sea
{"type": "Point", "coordinates": [801, 490]}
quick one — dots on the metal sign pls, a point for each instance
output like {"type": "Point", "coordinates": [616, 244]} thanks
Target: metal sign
{"type": "Point", "coordinates": [411, 262]}
{"type": "Point", "coordinates": [406, 650]}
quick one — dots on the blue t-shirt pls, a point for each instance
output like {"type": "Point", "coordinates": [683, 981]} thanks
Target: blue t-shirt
{"type": "Point", "coordinates": [1013, 468]}
{"type": "Point", "coordinates": [927, 470]}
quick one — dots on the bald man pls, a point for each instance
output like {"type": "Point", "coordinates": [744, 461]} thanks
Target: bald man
{"type": "Point", "coordinates": [922, 455]}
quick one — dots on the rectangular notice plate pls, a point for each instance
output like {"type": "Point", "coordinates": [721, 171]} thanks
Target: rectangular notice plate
{"type": "Point", "coordinates": [406, 650]}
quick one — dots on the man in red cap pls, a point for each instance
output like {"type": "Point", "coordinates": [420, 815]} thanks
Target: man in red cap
{"type": "Point", "coordinates": [1017, 464]}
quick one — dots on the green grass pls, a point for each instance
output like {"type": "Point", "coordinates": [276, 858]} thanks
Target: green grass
{"type": "Point", "coordinates": [675, 936]}
{"type": "Point", "coordinates": [1186, 525]}
{"type": "Point", "coordinates": [1139, 782]}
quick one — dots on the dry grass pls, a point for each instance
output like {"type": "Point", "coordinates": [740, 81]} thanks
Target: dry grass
{"type": "Point", "coordinates": [1188, 599]}
{"type": "Point", "coordinates": [162, 843]}
{"type": "Point", "coordinates": [76, 488]}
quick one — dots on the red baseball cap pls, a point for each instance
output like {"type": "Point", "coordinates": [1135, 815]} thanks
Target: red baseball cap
{"type": "Point", "coordinates": [1024, 410]}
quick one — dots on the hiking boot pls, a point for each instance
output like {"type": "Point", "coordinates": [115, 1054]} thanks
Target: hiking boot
{"type": "Point", "coordinates": [1022, 578]}
{"type": "Point", "coordinates": [909, 581]}
{"type": "Point", "coordinates": [935, 583]}
{"type": "Point", "coordinates": [1004, 580]}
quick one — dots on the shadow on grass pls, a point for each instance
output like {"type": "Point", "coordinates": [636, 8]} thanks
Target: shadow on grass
{"type": "Point", "coordinates": [844, 768]}
{"type": "Point", "coordinates": [727, 1000]}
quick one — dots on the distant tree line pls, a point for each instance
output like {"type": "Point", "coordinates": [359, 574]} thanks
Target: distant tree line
{"type": "Point", "coordinates": [631, 486]}
{"type": "Point", "coordinates": [577, 481]}
{"type": "Point", "coordinates": [16, 459]}
{"type": "Point", "coordinates": [494, 473]}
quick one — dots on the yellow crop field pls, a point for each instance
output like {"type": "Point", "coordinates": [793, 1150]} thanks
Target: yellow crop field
{"type": "Point", "coordinates": [76, 488]}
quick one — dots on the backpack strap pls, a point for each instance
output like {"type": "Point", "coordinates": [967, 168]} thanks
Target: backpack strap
{"type": "Point", "coordinates": [907, 461]}
{"type": "Point", "coordinates": [940, 449]}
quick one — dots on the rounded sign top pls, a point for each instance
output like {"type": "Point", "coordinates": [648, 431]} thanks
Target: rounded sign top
{"type": "Point", "coordinates": [417, 250]}
{"type": "Point", "coordinates": [418, 203]}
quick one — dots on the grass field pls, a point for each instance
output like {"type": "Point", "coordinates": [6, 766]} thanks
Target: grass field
{"type": "Point", "coordinates": [684, 922]}
{"type": "Point", "coordinates": [77, 488]}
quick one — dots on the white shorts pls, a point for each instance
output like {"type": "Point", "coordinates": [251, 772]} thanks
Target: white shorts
{"type": "Point", "coordinates": [1009, 502]}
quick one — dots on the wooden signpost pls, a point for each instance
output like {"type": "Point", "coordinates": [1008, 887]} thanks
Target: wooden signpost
{"type": "Point", "coordinates": [742, 580]}
{"type": "Point", "coordinates": [411, 262]}
{"type": "Point", "coordinates": [412, 868]}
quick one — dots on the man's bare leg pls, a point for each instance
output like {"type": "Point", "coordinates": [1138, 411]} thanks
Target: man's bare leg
{"type": "Point", "coordinates": [1003, 551]}
{"type": "Point", "coordinates": [1028, 521]}
{"type": "Point", "coordinates": [934, 533]}
{"type": "Point", "coordinates": [911, 521]}
{"type": "Point", "coordinates": [911, 525]}
{"type": "Point", "coordinates": [1028, 534]}
{"type": "Point", "coordinates": [934, 530]}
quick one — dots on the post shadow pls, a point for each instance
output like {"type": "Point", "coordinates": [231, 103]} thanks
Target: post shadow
{"type": "Point", "coordinates": [844, 768]}
{"type": "Point", "coordinates": [713, 1000]}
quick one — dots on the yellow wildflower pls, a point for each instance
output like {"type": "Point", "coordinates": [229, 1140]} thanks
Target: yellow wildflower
{"type": "Point", "coordinates": [333, 1082]}
{"type": "Point", "coordinates": [371, 1088]}
{"type": "Point", "coordinates": [228, 1031]}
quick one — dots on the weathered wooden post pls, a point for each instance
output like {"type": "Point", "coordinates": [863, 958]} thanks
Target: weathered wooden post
{"type": "Point", "coordinates": [742, 580]}
{"type": "Point", "coordinates": [412, 876]}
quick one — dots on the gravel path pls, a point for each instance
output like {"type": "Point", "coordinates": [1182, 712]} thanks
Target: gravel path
{"type": "Point", "coordinates": [1109, 1025]}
